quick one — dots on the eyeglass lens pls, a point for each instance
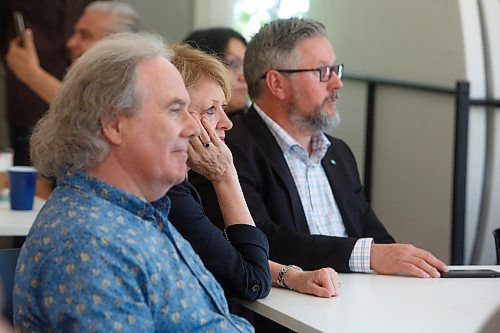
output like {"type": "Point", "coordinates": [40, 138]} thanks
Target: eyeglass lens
{"type": "Point", "coordinates": [326, 72]}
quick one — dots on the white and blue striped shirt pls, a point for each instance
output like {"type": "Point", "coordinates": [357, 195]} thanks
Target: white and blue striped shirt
{"type": "Point", "coordinates": [320, 208]}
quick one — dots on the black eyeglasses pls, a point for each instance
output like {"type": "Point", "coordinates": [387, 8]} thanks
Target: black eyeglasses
{"type": "Point", "coordinates": [325, 72]}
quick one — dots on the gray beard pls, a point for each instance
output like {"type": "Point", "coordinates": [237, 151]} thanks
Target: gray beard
{"type": "Point", "coordinates": [320, 121]}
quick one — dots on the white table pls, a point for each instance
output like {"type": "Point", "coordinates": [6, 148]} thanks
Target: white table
{"type": "Point", "coordinates": [17, 222]}
{"type": "Point", "coordinates": [377, 303]}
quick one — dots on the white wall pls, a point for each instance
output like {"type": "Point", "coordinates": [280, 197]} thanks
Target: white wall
{"type": "Point", "coordinates": [213, 13]}
{"type": "Point", "coordinates": [172, 19]}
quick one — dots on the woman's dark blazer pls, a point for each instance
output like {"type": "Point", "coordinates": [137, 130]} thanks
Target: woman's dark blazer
{"type": "Point", "coordinates": [241, 266]}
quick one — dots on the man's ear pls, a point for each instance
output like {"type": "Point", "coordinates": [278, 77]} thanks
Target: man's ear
{"type": "Point", "coordinates": [111, 129]}
{"type": "Point", "coordinates": [276, 84]}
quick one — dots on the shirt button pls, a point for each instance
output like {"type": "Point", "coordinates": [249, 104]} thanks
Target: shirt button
{"type": "Point", "coordinates": [256, 288]}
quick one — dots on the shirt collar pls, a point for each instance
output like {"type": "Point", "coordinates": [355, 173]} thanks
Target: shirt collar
{"type": "Point", "coordinates": [287, 143]}
{"type": "Point", "coordinates": [89, 184]}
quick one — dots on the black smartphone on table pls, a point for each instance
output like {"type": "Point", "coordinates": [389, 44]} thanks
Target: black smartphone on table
{"type": "Point", "coordinates": [470, 273]}
{"type": "Point", "coordinates": [19, 23]}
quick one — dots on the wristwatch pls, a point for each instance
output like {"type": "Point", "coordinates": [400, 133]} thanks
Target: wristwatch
{"type": "Point", "coordinates": [281, 275]}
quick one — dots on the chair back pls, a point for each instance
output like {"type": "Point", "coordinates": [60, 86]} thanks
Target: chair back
{"type": "Point", "coordinates": [8, 260]}
{"type": "Point", "coordinates": [496, 234]}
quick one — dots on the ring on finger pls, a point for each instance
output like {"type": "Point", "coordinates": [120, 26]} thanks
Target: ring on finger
{"type": "Point", "coordinates": [207, 145]}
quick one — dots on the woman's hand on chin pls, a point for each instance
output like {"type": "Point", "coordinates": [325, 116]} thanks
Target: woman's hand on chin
{"type": "Point", "coordinates": [208, 155]}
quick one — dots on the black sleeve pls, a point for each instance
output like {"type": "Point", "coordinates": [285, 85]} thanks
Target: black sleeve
{"type": "Point", "coordinates": [240, 266]}
{"type": "Point", "coordinates": [4, 21]}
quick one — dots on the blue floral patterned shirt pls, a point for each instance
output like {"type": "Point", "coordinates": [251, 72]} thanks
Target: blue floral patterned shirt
{"type": "Point", "coordinates": [98, 259]}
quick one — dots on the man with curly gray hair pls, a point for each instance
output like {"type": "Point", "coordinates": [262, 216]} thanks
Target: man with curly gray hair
{"type": "Point", "coordinates": [102, 255]}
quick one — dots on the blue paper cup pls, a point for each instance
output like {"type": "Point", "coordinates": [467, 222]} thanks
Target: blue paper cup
{"type": "Point", "coordinates": [22, 181]}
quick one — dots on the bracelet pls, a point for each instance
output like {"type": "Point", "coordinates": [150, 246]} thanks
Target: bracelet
{"type": "Point", "coordinates": [281, 275]}
{"type": "Point", "coordinates": [225, 235]}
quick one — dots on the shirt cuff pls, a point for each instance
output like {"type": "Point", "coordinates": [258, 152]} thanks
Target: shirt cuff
{"type": "Point", "coordinates": [360, 256]}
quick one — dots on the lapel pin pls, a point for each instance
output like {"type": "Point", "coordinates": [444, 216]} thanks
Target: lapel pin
{"type": "Point", "coordinates": [332, 162]}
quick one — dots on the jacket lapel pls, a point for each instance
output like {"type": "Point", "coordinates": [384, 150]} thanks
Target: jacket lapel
{"type": "Point", "coordinates": [271, 150]}
{"type": "Point", "coordinates": [337, 179]}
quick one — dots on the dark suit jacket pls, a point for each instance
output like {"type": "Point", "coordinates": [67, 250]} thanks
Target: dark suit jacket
{"type": "Point", "coordinates": [275, 204]}
{"type": "Point", "coordinates": [241, 267]}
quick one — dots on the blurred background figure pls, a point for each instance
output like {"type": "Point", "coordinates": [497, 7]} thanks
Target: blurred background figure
{"type": "Point", "coordinates": [26, 64]}
{"type": "Point", "coordinates": [99, 19]}
{"type": "Point", "coordinates": [52, 21]}
{"type": "Point", "coordinates": [229, 46]}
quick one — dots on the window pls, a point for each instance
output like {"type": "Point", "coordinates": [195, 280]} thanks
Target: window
{"type": "Point", "coordinates": [249, 15]}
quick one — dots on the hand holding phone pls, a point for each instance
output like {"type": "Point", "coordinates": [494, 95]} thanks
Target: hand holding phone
{"type": "Point", "coordinates": [19, 23]}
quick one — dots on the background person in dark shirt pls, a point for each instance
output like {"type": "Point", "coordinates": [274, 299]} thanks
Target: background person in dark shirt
{"type": "Point", "coordinates": [52, 21]}
{"type": "Point", "coordinates": [99, 19]}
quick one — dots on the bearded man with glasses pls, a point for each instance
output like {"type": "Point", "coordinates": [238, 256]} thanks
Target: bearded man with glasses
{"type": "Point", "coordinates": [301, 185]}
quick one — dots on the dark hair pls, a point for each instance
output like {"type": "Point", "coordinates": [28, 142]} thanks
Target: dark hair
{"type": "Point", "coordinates": [213, 40]}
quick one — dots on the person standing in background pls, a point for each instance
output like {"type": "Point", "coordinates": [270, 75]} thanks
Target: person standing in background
{"type": "Point", "coordinates": [99, 19]}
{"type": "Point", "coordinates": [52, 21]}
{"type": "Point", "coordinates": [229, 46]}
